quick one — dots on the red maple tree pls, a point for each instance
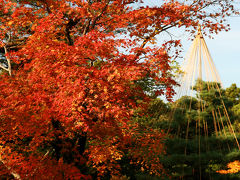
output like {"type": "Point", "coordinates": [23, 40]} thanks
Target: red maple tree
{"type": "Point", "coordinates": [72, 85]}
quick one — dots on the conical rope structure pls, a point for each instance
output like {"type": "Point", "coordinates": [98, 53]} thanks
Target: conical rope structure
{"type": "Point", "coordinates": [198, 64]}
{"type": "Point", "coordinates": [199, 67]}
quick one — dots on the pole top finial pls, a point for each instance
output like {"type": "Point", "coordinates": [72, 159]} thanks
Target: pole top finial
{"type": "Point", "coordinates": [199, 31]}
{"type": "Point", "coordinates": [199, 27]}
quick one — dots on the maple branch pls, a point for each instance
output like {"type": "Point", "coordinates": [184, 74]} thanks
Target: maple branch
{"type": "Point", "coordinates": [45, 155]}
{"type": "Point", "coordinates": [94, 23]}
{"type": "Point", "coordinates": [14, 174]}
{"type": "Point", "coordinates": [146, 40]}
{"type": "Point", "coordinates": [72, 23]}
{"type": "Point", "coordinates": [47, 6]}
{"type": "Point", "coordinates": [8, 61]}
{"type": "Point", "coordinates": [1, 66]}
{"type": "Point", "coordinates": [14, 44]}
{"type": "Point", "coordinates": [86, 29]}
{"type": "Point", "coordinates": [81, 142]}
{"type": "Point", "coordinates": [99, 16]}
{"type": "Point", "coordinates": [69, 26]}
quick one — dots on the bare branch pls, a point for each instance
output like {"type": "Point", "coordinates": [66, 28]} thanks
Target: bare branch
{"type": "Point", "coordinates": [1, 66]}
{"type": "Point", "coordinates": [9, 62]}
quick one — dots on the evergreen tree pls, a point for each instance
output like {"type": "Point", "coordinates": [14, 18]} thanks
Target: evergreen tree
{"type": "Point", "coordinates": [200, 142]}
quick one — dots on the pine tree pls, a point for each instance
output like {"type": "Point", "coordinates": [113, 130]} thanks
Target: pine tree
{"type": "Point", "coordinates": [196, 148]}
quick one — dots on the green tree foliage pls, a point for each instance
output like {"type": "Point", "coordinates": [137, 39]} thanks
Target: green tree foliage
{"type": "Point", "coordinates": [200, 142]}
{"type": "Point", "coordinates": [233, 93]}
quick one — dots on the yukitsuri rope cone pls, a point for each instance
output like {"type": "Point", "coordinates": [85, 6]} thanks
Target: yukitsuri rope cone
{"type": "Point", "coordinates": [199, 80]}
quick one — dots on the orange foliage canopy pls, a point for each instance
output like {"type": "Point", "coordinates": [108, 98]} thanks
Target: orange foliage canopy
{"type": "Point", "coordinates": [76, 65]}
